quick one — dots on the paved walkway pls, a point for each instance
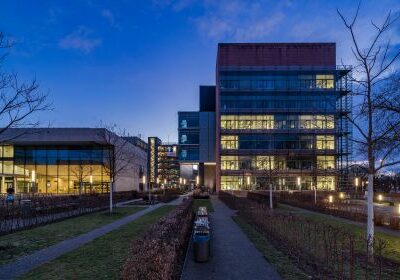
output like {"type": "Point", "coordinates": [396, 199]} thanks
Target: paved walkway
{"type": "Point", "coordinates": [29, 262]}
{"type": "Point", "coordinates": [233, 254]}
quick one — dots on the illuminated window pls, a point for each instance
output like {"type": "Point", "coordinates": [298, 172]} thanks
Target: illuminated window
{"type": "Point", "coordinates": [324, 81]}
{"type": "Point", "coordinates": [264, 162]}
{"type": "Point", "coordinates": [325, 142]}
{"type": "Point", "coordinates": [326, 183]}
{"type": "Point", "coordinates": [317, 122]}
{"type": "Point", "coordinates": [8, 151]}
{"type": "Point", "coordinates": [229, 163]}
{"type": "Point", "coordinates": [231, 182]}
{"type": "Point", "coordinates": [229, 142]}
{"type": "Point", "coordinates": [325, 162]}
{"type": "Point", "coordinates": [247, 122]}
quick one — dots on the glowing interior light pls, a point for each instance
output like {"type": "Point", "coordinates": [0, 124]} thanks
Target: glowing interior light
{"type": "Point", "coordinates": [298, 181]}
{"type": "Point", "coordinates": [248, 180]}
{"type": "Point", "coordinates": [91, 179]}
{"type": "Point", "coordinates": [380, 197]}
{"type": "Point", "coordinates": [33, 176]}
{"type": "Point", "coordinates": [144, 179]}
{"type": "Point", "coordinates": [330, 199]}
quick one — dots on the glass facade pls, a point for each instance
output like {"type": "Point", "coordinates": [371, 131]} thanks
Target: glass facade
{"type": "Point", "coordinates": [189, 136]}
{"type": "Point", "coordinates": [279, 126]}
{"type": "Point", "coordinates": [55, 169]}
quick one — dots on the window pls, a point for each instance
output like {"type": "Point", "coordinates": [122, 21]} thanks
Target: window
{"type": "Point", "coordinates": [229, 163]}
{"type": "Point", "coordinates": [324, 81]}
{"type": "Point", "coordinates": [325, 142]}
{"type": "Point", "coordinates": [326, 183]}
{"type": "Point", "coordinates": [231, 182]}
{"type": "Point", "coordinates": [247, 122]}
{"type": "Point", "coordinates": [264, 162]}
{"type": "Point", "coordinates": [317, 122]}
{"type": "Point", "coordinates": [326, 162]}
{"type": "Point", "coordinates": [229, 142]}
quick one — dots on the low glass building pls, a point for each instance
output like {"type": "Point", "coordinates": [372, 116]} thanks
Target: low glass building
{"type": "Point", "coordinates": [62, 161]}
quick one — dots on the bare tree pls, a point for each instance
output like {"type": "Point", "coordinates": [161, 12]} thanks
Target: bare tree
{"type": "Point", "coordinates": [18, 100]}
{"type": "Point", "coordinates": [82, 173]}
{"type": "Point", "coordinates": [119, 158]}
{"type": "Point", "coordinates": [378, 128]}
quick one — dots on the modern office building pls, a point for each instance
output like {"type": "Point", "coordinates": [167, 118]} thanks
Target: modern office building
{"type": "Point", "coordinates": [196, 133]}
{"type": "Point", "coordinates": [163, 163]}
{"type": "Point", "coordinates": [68, 160]}
{"type": "Point", "coordinates": [281, 117]}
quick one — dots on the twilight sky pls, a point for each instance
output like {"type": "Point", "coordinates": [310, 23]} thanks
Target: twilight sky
{"type": "Point", "coordinates": [136, 63]}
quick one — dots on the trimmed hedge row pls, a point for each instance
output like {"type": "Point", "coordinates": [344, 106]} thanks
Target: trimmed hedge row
{"type": "Point", "coordinates": [158, 254]}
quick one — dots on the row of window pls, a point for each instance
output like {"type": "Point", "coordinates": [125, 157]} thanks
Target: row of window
{"type": "Point", "coordinates": [279, 183]}
{"type": "Point", "coordinates": [276, 163]}
{"type": "Point", "coordinates": [320, 105]}
{"type": "Point", "coordinates": [273, 83]}
{"type": "Point", "coordinates": [254, 142]}
{"type": "Point", "coordinates": [278, 122]}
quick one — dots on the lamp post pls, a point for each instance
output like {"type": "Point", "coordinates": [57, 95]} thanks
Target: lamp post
{"type": "Point", "coordinates": [356, 183]}
{"type": "Point", "coordinates": [33, 179]}
{"type": "Point", "coordinates": [91, 182]}
{"type": "Point", "coordinates": [299, 182]}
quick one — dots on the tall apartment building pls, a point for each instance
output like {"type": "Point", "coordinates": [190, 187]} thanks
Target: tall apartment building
{"type": "Point", "coordinates": [281, 117]}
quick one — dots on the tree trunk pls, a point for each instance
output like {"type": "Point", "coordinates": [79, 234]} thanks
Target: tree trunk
{"type": "Point", "coordinates": [111, 195]}
{"type": "Point", "coordinates": [370, 211]}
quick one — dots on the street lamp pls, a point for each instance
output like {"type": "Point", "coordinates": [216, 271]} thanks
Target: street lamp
{"type": "Point", "coordinates": [380, 197]}
{"type": "Point", "coordinates": [33, 179]}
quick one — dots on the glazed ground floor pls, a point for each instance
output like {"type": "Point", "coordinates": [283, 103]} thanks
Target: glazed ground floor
{"type": "Point", "coordinates": [279, 182]}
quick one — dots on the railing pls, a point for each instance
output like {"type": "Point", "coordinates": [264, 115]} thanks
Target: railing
{"type": "Point", "coordinates": [29, 211]}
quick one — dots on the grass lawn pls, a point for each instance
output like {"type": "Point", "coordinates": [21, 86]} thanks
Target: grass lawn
{"type": "Point", "coordinates": [27, 241]}
{"type": "Point", "coordinates": [280, 261]}
{"type": "Point", "coordinates": [392, 250]}
{"type": "Point", "coordinates": [103, 257]}
{"type": "Point", "coordinates": [203, 202]}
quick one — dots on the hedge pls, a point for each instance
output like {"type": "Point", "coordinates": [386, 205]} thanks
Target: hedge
{"type": "Point", "coordinates": [158, 254]}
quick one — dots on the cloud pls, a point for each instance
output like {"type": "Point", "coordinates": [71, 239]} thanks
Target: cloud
{"type": "Point", "coordinates": [80, 40]}
{"type": "Point", "coordinates": [236, 20]}
{"type": "Point", "coordinates": [110, 17]}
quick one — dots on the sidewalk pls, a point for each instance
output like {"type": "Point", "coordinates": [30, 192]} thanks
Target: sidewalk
{"type": "Point", "coordinates": [29, 262]}
{"type": "Point", "coordinates": [233, 254]}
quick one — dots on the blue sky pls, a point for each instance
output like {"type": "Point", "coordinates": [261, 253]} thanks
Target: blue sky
{"type": "Point", "coordinates": [136, 63]}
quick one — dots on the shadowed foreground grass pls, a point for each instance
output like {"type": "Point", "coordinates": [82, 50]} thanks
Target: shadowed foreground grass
{"type": "Point", "coordinates": [103, 257]}
{"type": "Point", "coordinates": [15, 245]}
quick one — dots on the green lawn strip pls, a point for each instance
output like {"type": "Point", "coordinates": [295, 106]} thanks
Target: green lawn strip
{"type": "Point", "coordinates": [392, 250]}
{"type": "Point", "coordinates": [15, 245]}
{"type": "Point", "coordinates": [203, 202]}
{"type": "Point", "coordinates": [280, 261]}
{"type": "Point", "coordinates": [103, 257]}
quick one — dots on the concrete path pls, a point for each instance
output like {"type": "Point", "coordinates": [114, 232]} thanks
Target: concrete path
{"type": "Point", "coordinates": [233, 254]}
{"type": "Point", "coordinates": [29, 262]}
